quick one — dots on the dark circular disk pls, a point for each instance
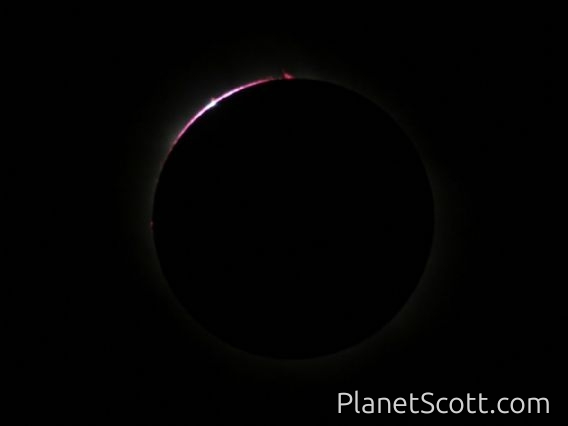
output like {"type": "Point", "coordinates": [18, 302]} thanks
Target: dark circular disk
{"type": "Point", "coordinates": [293, 219]}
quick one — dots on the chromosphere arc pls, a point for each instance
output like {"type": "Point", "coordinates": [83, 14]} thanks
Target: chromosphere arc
{"type": "Point", "coordinates": [214, 101]}
{"type": "Point", "coordinates": [293, 218]}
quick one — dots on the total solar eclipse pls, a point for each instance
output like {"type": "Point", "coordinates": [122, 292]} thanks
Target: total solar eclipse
{"type": "Point", "coordinates": [293, 218]}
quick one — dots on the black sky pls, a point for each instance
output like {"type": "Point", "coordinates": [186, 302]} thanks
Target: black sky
{"type": "Point", "coordinates": [100, 339]}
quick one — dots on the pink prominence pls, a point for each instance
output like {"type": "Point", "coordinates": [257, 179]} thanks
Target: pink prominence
{"type": "Point", "coordinates": [287, 75]}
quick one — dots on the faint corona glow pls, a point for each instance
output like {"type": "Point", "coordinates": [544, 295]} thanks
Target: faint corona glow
{"type": "Point", "coordinates": [215, 101]}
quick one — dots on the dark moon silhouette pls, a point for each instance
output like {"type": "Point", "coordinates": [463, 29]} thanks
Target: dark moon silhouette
{"type": "Point", "coordinates": [293, 218]}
